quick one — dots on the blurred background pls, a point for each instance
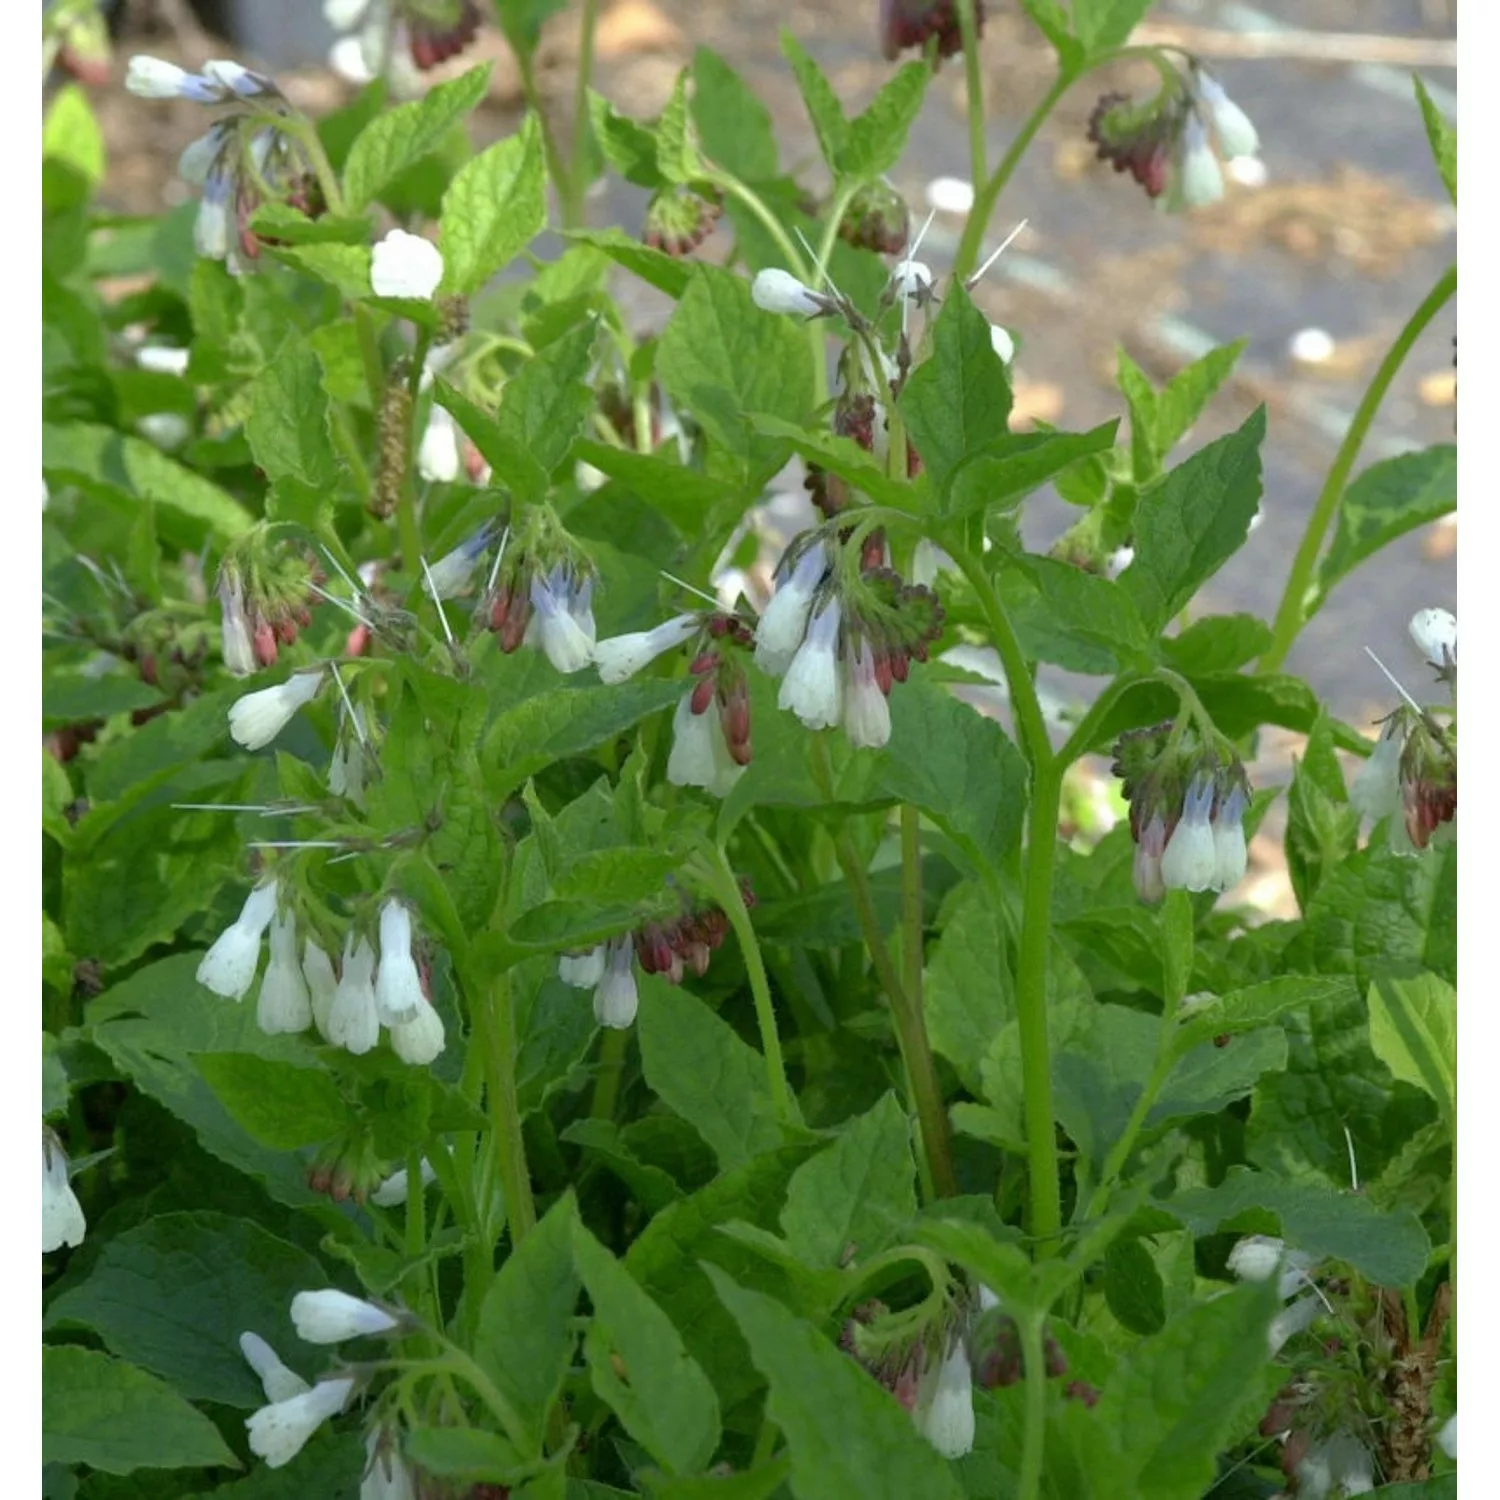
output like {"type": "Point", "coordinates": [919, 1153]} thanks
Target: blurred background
{"type": "Point", "coordinates": [1318, 259]}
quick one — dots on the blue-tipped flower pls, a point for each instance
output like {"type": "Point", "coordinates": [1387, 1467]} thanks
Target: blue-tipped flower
{"type": "Point", "coordinates": [1190, 860]}
{"type": "Point", "coordinates": [1231, 857]}
{"type": "Point", "coordinates": [562, 619]}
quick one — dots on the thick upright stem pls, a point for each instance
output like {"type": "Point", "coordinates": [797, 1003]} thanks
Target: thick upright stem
{"type": "Point", "coordinates": [495, 1028]}
{"type": "Point", "coordinates": [1291, 613]}
{"type": "Point", "coordinates": [577, 185]}
{"type": "Point", "coordinates": [1034, 1432]}
{"type": "Point", "coordinates": [912, 923]}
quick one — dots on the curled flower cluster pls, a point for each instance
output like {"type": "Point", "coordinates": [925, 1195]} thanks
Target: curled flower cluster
{"type": "Point", "coordinates": [840, 637]}
{"type": "Point", "coordinates": [543, 596]}
{"type": "Point", "coordinates": [670, 949]}
{"type": "Point", "coordinates": [263, 598]}
{"type": "Point", "coordinates": [679, 219]}
{"type": "Point", "coordinates": [1187, 809]}
{"type": "Point", "coordinates": [1166, 142]}
{"type": "Point", "coordinates": [404, 38]}
{"type": "Point", "coordinates": [912, 23]}
{"type": "Point", "coordinates": [348, 1006]}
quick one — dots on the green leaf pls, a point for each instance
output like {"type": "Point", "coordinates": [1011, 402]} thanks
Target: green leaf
{"type": "Point", "coordinates": [656, 1389]}
{"type": "Point", "coordinates": [1322, 830]}
{"type": "Point", "coordinates": [676, 155]}
{"type": "Point", "coordinates": [1075, 618]}
{"type": "Point", "coordinates": [1052, 21]}
{"type": "Point", "coordinates": [1102, 24]}
{"type": "Point", "coordinates": [150, 1026]}
{"type": "Point", "coordinates": [1011, 467]}
{"type": "Point", "coordinates": [1391, 1249]}
{"type": "Point", "coordinates": [957, 401]}
{"type": "Point", "coordinates": [103, 460]}
{"type": "Point", "coordinates": [1414, 1031]}
{"type": "Point", "coordinates": [521, 21]}
{"type": "Point", "coordinates": [72, 142]}
{"type": "Point", "coordinates": [877, 138]}
{"type": "Point", "coordinates": [668, 1260]}
{"type": "Point", "coordinates": [73, 697]}
{"type": "Point", "coordinates": [1193, 521]}
{"type": "Point", "coordinates": [1133, 1287]}
{"type": "Point", "coordinates": [525, 1337]}
{"type": "Point", "coordinates": [665, 272]}
{"type": "Point", "coordinates": [1442, 136]}
{"type": "Point", "coordinates": [1173, 1400]}
{"type": "Point", "coordinates": [175, 1293]}
{"type": "Point", "coordinates": [823, 107]}
{"type": "Point", "coordinates": [1256, 1006]}
{"type": "Point", "coordinates": [287, 428]}
{"type": "Point", "coordinates": [970, 990]}
{"type": "Point", "coordinates": [1159, 420]}
{"type": "Point", "coordinates": [494, 207]}
{"type": "Point", "coordinates": [721, 357]}
{"type": "Point", "coordinates": [464, 1453]}
{"type": "Point", "coordinates": [280, 221]}
{"type": "Point", "coordinates": [653, 1187]}
{"type": "Point", "coordinates": [952, 762]}
{"type": "Point", "coordinates": [858, 1193]}
{"type": "Point", "coordinates": [1217, 643]}
{"type": "Point", "coordinates": [344, 267]}
{"type": "Point", "coordinates": [402, 136]}
{"type": "Point", "coordinates": [54, 1078]}
{"type": "Point", "coordinates": [733, 125]}
{"type": "Point", "coordinates": [566, 721]}
{"type": "Point", "coordinates": [279, 1104]}
{"type": "Point", "coordinates": [698, 1066]}
{"type": "Point", "coordinates": [1002, 1266]}
{"type": "Point", "coordinates": [1389, 499]}
{"type": "Point", "coordinates": [628, 146]}
{"type": "Point", "coordinates": [685, 498]}
{"type": "Point", "coordinates": [331, 1468]}
{"type": "Point", "coordinates": [847, 1435]}
{"type": "Point", "coordinates": [109, 1415]}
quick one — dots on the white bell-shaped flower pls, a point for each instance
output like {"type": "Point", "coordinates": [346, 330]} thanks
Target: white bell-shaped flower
{"type": "Point", "coordinates": [62, 1214]}
{"type": "Point", "coordinates": [781, 628]}
{"type": "Point", "coordinates": [616, 997]}
{"type": "Point", "coordinates": [778, 291]}
{"type": "Point", "coordinates": [437, 453]}
{"type": "Point", "coordinates": [278, 1382]}
{"type": "Point", "coordinates": [1375, 792]}
{"type": "Point", "coordinates": [1237, 136]}
{"type": "Point", "coordinates": [160, 359]}
{"type": "Point", "coordinates": [398, 985]}
{"type": "Point", "coordinates": [1146, 871]}
{"type": "Point", "coordinates": [386, 1475]}
{"type": "Point", "coordinates": [562, 621]}
{"type": "Point", "coordinates": [1199, 182]}
{"type": "Point", "coordinates": [353, 1022]}
{"type": "Point", "coordinates": [228, 968]}
{"type": "Point", "coordinates": [1258, 1257]}
{"type": "Point", "coordinates": [393, 1191]}
{"type": "Point", "coordinates": [322, 984]}
{"type": "Point", "coordinates": [405, 265]}
{"type": "Point", "coordinates": [582, 970]}
{"type": "Point", "coordinates": [329, 1316]}
{"type": "Point", "coordinates": [237, 642]}
{"type": "Point", "coordinates": [1190, 859]}
{"type": "Point", "coordinates": [419, 1040]}
{"type": "Point", "coordinates": [947, 1420]}
{"type": "Point", "coordinates": [867, 712]}
{"type": "Point", "coordinates": [622, 656]}
{"type": "Point", "coordinates": [451, 573]}
{"type": "Point", "coordinates": [284, 1004]}
{"type": "Point", "coordinates": [810, 688]}
{"type": "Point", "coordinates": [1296, 1317]}
{"type": "Point", "coordinates": [278, 1432]}
{"type": "Point", "coordinates": [1447, 1437]}
{"type": "Point", "coordinates": [912, 279]}
{"type": "Point", "coordinates": [1231, 857]}
{"type": "Point", "coordinates": [257, 718]}
{"type": "Point", "coordinates": [155, 78]}
{"type": "Point", "coordinates": [699, 755]}
{"type": "Point", "coordinates": [1434, 632]}
{"type": "Point", "coordinates": [1002, 343]}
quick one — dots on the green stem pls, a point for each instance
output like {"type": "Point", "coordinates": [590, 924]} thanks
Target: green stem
{"type": "Point", "coordinates": [906, 1013]}
{"type": "Point", "coordinates": [556, 169]}
{"type": "Point", "coordinates": [577, 183]}
{"type": "Point", "coordinates": [495, 1028]}
{"type": "Point", "coordinates": [730, 897]}
{"type": "Point", "coordinates": [1292, 613]}
{"type": "Point", "coordinates": [987, 194]}
{"type": "Point", "coordinates": [973, 91]}
{"type": "Point", "coordinates": [1034, 1434]}
{"type": "Point", "coordinates": [1031, 728]}
{"type": "Point", "coordinates": [607, 1079]}
{"type": "Point", "coordinates": [912, 924]}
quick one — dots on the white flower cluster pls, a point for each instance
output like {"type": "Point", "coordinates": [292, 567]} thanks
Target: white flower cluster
{"type": "Point", "coordinates": [1207, 850]}
{"type": "Point", "coordinates": [295, 1409]}
{"type": "Point", "coordinates": [608, 970]}
{"type": "Point", "coordinates": [348, 1008]}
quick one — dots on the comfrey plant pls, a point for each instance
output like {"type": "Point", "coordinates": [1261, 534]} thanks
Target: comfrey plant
{"type": "Point", "coordinates": [581, 954]}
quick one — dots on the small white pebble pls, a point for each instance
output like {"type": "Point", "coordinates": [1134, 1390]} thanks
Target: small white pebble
{"type": "Point", "coordinates": [950, 195]}
{"type": "Point", "coordinates": [1312, 346]}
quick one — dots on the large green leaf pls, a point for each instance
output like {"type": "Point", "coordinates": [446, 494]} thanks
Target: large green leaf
{"type": "Point", "coordinates": [109, 1415]}
{"type": "Point", "coordinates": [287, 428]}
{"type": "Point", "coordinates": [279, 1104]}
{"type": "Point", "coordinates": [175, 1293]}
{"type": "Point", "coordinates": [697, 1065]}
{"type": "Point", "coordinates": [639, 1365]}
{"type": "Point", "coordinates": [847, 1435]}
{"type": "Point", "coordinates": [858, 1194]}
{"type": "Point", "coordinates": [493, 208]}
{"type": "Point", "coordinates": [877, 137]}
{"type": "Point", "coordinates": [1189, 524]}
{"type": "Point", "coordinates": [733, 125]}
{"type": "Point", "coordinates": [1414, 1031]}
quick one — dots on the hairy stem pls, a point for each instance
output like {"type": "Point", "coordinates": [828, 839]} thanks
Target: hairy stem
{"type": "Point", "coordinates": [1034, 1433]}
{"type": "Point", "coordinates": [973, 92]}
{"type": "Point", "coordinates": [495, 1031]}
{"type": "Point", "coordinates": [1291, 613]}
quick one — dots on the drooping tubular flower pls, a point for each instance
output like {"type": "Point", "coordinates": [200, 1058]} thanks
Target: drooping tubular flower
{"type": "Point", "coordinates": [541, 594]}
{"type": "Point", "coordinates": [62, 1214]}
{"type": "Point", "coordinates": [1410, 781]}
{"type": "Point", "coordinates": [278, 1381]}
{"type": "Point", "coordinates": [228, 968]}
{"type": "Point", "coordinates": [284, 1004]}
{"type": "Point", "coordinates": [265, 590]}
{"type": "Point", "coordinates": [279, 1431]}
{"type": "Point", "coordinates": [257, 718]}
{"type": "Point", "coordinates": [945, 1410]}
